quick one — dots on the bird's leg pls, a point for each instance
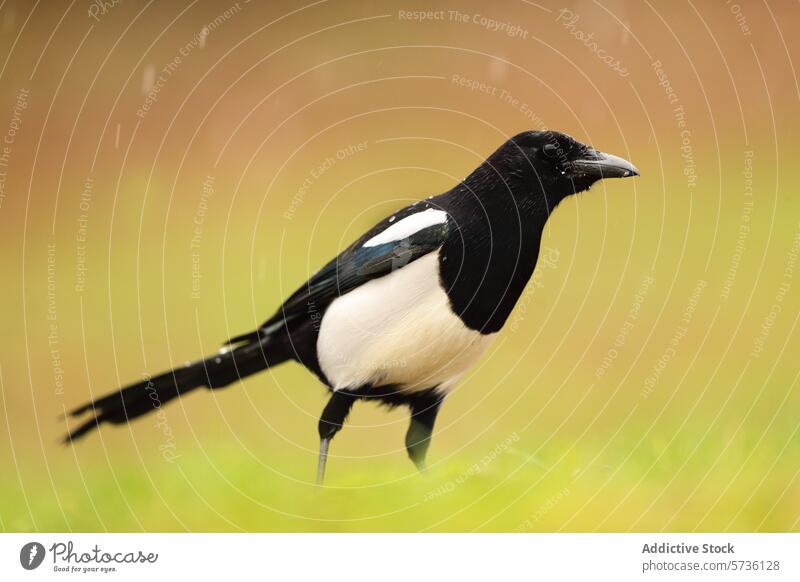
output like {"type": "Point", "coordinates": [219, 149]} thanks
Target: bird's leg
{"type": "Point", "coordinates": [331, 421]}
{"type": "Point", "coordinates": [322, 459]}
{"type": "Point", "coordinates": [424, 409]}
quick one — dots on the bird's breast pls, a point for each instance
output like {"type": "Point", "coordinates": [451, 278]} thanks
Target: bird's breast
{"type": "Point", "coordinates": [486, 264]}
{"type": "Point", "coordinates": [397, 330]}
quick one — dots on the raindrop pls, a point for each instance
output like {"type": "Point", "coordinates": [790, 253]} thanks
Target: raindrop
{"type": "Point", "coordinates": [148, 78]}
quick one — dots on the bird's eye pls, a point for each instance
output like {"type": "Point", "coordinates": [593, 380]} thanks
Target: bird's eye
{"type": "Point", "coordinates": [550, 150]}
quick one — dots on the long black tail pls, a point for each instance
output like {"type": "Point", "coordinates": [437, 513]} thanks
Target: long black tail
{"type": "Point", "coordinates": [149, 395]}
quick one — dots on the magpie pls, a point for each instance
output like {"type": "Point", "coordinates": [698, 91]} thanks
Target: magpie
{"type": "Point", "coordinates": [403, 312]}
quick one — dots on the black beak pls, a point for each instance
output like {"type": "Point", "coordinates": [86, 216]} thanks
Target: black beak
{"type": "Point", "coordinates": [599, 165]}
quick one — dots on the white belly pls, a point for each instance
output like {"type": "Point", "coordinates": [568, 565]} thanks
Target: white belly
{"type": "Point", "coordinates": [399, 330]}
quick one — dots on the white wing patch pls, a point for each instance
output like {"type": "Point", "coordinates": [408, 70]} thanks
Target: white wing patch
{"type": "Point", "coordinates": [408, 226]}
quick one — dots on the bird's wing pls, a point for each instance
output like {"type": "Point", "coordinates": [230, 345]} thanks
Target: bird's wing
{"type": "Point", "coordinates": [393, 243]}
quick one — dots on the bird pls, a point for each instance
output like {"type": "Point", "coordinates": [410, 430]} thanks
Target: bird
{"type": "Point", "coordinates": [407, 309]}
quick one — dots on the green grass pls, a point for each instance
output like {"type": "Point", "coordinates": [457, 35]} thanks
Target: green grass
{"type": "Point", "coordinates": [494, 486]}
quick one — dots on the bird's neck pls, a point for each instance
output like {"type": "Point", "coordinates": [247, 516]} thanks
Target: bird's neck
{"type": "Point", "coordinates": [488, 261]}
{"type": "Point", "coordinates": [509, 191]}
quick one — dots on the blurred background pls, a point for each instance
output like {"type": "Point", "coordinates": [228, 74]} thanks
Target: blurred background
{"type": "Point", "coordinates": [170, 171]}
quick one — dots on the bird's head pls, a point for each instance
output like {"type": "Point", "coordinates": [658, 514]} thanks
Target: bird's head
{"type": "Point", "coordinates": [554, 164]}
